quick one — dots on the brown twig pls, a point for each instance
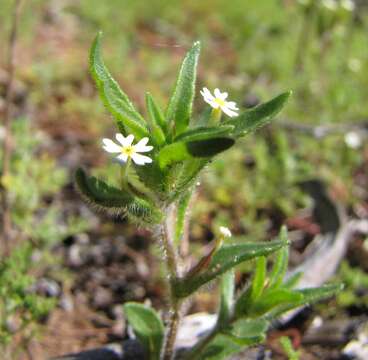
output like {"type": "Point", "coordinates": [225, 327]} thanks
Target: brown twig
{"type": "Point", "coordinates": [7, 144]}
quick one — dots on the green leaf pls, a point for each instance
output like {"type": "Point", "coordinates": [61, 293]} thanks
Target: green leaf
{"type": "Point", "coordinates": [308, 297]}
{"type": "Point", "coordinates": [113, 201]}
{"type": "Point", "coordinates": [204, 133]}
{"type": "Point", "coordinates": [147, 326]}
{"type": "Point", "coordinates": [273, 298]}
{"type": "Point", "coordinates": [209, 147]}
{"type": "Point", "coordinates": [116, 101]}
{"type": "Point", "coordinates": [157, 122]}
{"type": "Point", "coordinates": [180, 106]}
{"type": "Point", "coordinates": [225, 345]}
{"type": "Point", "coordinates": [259, 116]}
{"type": "Point", "coordinates": [253, 292]}
{"type": "Point", "coordinates": [180, 151]}
{"type": "Point", "coordinates": [259, 277]}
{"type": "Point", "coordinates": [281, 263]}
{"type": "Point", "coordinates": [224, 259]}
{"type": "Point", "coordinates": [227, 297]}
{"type": "Point", "coordinates": [250, 327]}
{"type": "Point", "coordinates": [293, 280]}
{"type": "Point", "coordinates": [313, 295]}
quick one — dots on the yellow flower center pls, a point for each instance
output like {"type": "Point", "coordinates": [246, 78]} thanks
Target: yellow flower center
{"type": "Point", "coordinates": [127, 150]}
{"type": "Point", "coordinates": [220, 102]}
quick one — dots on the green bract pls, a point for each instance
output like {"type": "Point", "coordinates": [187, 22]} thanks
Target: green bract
{"type": "Point", "coordinates": [158, 194]}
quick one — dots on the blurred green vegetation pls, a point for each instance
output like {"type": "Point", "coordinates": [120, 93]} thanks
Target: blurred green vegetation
{"type": "Point", "coordinates": [253, 49]}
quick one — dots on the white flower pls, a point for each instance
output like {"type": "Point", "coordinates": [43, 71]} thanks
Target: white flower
{"type": "Point", "coordinates": [225, 231]}
{"type": "Point", "coordinates": [127, 150]}
{"type": "Point", "coordinates": [218, 101]}
{"type": "Point", "coordinates": [353, 140]}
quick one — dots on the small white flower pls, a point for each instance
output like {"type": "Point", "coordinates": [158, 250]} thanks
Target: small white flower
{"type": "Point", "coordinates": [127, 150]}
{"type": "Point", "coordinates": [353, 140]}
{"type": "Point", "coordinates": [218, 101]}
{"type": "Point", "coordinates": [225, 231]}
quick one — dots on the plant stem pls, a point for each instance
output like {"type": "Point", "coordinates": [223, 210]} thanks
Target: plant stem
{"type": "Point", "coordinates": [172, 266]}
{"type": "Point", "coordinates": [7, 144]}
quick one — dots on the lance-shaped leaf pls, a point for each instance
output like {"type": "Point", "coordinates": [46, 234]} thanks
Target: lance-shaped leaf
{"type": "Point", "coordinates": [157, 122]}
{"type": "Point", "coordinates": [308, 297]}
{"type": "Point", "coordinates": [147, 326]}
{"type": "Point", "coordinates": [227, 297]}
{"type": "Point", "coordinates": [115, 100]}
{"type": "Point", "coordinates": [272, 298]}
{"type": "Point", "coordinates": [240, 335]}
{"type": "Point", "coordinates": [254, 291]}
{"type": "Point", "coordinates": [257, 117]}
{"type": "Point", "coordinates": [281, 263]}
{"type": "Point", "coordinates": [182, 150]}
{"type": "Point", "coordinates": [113, 201]}
{"type": "Point", "coordinates": [180, 106]}
{"type": "Point", "coordinates": [204, 133]}
{"type": "Point", "coordinates": [227, 257]}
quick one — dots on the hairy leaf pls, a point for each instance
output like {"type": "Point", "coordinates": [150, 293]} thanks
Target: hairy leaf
{"type": "Point", "coordinates": [281, 263]}
{"type": "Point", "coordinates": [157, 122]}
{"type": "Point", "coordinates": [272, 298]}
{"type": "Point", "coordinates": [113, 201]}
{"type": "Point", "coordinates": [147, 326]}
{"type": "Point", "coordinates": [253, 292]}
{"type": "Point", "coordinates": [224, 259]}
{"type": "Point", "coordinates": [115, 100]}
{"type": "Point", "coordinates": [180, 151]}
{"type": "Point", "coordinates": [180, 106]}
{"type": "Point", "coordinates": [227, 296]}
{"type": "Point", "coordinates": [309, 296]}
{"type": "Point", "coordinates": [203, 133]}
{"type": "Point", "coordinates": [257, 117]}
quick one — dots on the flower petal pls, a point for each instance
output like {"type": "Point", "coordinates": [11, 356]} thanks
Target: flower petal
{"type": "Point", "coordinates": [125, 141]}
{"type": "Point", "coordinates": [207, 96]}
{"type": "Point", "coordinates": [140, 159]}
{"type": "Point", "coordinates": [229, 112]}
{"type": "Point", "coordinates": [110, 146]}
{"type": "Point", "coordinates": [232, 105]}
{"type": "Point", "coordinates": [122, 158]}
{"type": "Point", "coordinates": [224, 95]}
{"type": "Point", "coordinates": [141, 145]}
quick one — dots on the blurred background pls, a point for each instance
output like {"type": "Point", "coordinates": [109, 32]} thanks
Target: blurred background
{"type": "Point", "coordinates": [69, 270]}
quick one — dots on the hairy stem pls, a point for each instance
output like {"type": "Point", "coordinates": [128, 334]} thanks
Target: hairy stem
{"type": "Point", "coordinates": [172, 266]}
{"type": "Point", "coordinates": [7, 144]}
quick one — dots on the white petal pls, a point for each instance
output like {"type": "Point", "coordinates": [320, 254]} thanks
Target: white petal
{"type": "Point", "coordinates": [141, 159]}
{"type": "Point", "coordinates": [143, 149]}
{"type": "Point", "coordinates": [232, 105]}
{"type": "Point", "coordinates": [125, 141]}
{"type": "Point", "coordinates": [217, 93]}
{"type": "Point", "coordinates": [110, 146]}
{"type": "Point", "coordinates": [224, 95]}
{"type": "Point", "coordinates": [141, 146]}
{"type": "Point", "coordinates": [214, 104]}
{"type": "Point", "coordinates": [229, 112]}
{"type": "Point", "coordinates": [207, 96]}
{"type": "Point", "coordinates": [122, 158]}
